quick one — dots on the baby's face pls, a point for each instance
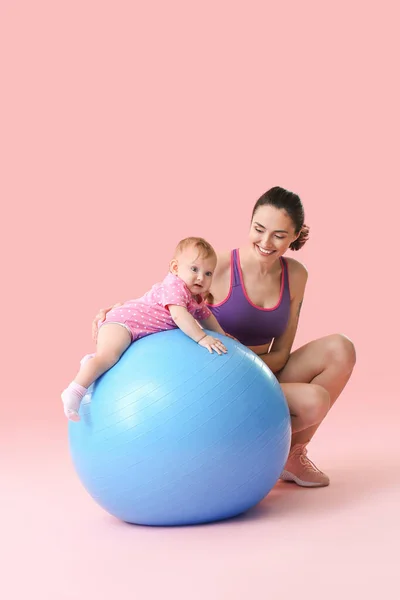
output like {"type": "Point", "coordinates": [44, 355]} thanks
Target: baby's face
{"type": "Point", "coordinates": [195, 270]}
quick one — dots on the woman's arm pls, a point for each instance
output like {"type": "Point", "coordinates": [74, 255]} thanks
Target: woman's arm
{"type": "Point", "coordinates": [101, 315]}
{"type": "Point", "coordinates": [280, 349]}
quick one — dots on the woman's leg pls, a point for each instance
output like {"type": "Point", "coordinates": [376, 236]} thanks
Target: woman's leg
{"type": "Point", "coordinates": [312, 380]}
{"type": "Point", "coordinates": [328, 363]}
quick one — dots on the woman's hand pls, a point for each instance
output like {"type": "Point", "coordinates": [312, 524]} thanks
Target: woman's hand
{"type": "Point", "coordinates": [212, 343]}
{"type": "Point", "coordinates": [231, 336]}
{"type": "Point", "coordinates": [100, 317]}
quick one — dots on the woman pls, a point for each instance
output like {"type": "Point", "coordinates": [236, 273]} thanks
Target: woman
{"type": "Point", "coordinates": [256, 295]}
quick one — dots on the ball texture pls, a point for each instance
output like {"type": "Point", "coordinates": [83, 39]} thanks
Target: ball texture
{"type": "Point", "coordinates": [174, 435]}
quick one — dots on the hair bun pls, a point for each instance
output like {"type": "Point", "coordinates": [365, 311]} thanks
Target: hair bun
{"type": "Point", "coordinates": [301, 240]}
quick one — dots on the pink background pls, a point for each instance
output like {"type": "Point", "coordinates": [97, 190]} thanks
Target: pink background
{"type": "Point", "coordinates": [125, 126]}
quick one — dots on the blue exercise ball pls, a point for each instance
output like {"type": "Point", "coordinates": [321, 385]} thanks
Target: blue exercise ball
{"type": "Point", "coordinates": [174, 435]}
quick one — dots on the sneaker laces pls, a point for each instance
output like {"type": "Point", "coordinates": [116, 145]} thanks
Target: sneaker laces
{"type": "Point", "coordinates": [305, 461]}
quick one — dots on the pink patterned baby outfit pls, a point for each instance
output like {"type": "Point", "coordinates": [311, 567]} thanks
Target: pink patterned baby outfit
{"type": "Point", "coordinates": [149, 314]}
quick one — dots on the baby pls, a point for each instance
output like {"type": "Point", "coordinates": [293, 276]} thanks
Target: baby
{"type": "Point", "coordinates": [178, 301]}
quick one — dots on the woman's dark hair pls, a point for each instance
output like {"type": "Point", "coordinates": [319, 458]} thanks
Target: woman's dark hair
{"type": "Point", "coordinates": [291, 203]}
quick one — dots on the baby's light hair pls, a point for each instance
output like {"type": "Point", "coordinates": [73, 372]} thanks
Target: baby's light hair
{"type": "Point", "coordinates": [205, 249]}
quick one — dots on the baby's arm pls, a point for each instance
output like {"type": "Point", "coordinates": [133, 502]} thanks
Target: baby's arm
{"type": "Point", "coordinates": [212, 324]}
{"type": "Point", "coordinates": [188, 324]}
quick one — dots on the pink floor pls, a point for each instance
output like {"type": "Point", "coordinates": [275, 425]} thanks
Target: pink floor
{"type": "Point", "coordinates": [337, 542]}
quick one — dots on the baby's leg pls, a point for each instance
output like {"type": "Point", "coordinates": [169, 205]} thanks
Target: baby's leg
{"type": "Point", "coordinates": [88, 395]}
{"type": "Point", "coordinates": [113, 339]}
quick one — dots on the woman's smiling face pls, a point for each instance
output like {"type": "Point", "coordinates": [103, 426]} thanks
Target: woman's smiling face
{"type": "Point", "coordinates": [271, 233]}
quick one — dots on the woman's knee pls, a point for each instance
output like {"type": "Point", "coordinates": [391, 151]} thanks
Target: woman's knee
{"type": "Point", "coordinates": [315, 405]}
{"type": "Point", "coordinates": [341, 351]}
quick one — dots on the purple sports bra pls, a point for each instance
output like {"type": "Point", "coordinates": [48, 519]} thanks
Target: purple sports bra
{"type": "Point", "coordinates": [249, 323]}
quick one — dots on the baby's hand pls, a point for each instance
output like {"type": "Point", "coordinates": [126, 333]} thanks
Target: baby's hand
{"type": "Point", "coordinates": [212, 343]}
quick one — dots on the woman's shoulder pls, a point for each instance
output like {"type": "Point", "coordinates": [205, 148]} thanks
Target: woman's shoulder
{"type": "Point", "coordinates": [223, 261]}
{"type": "Point", "coordinates": [298, 274]}
{"type": "Point", "coordinates": [296, 267]}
